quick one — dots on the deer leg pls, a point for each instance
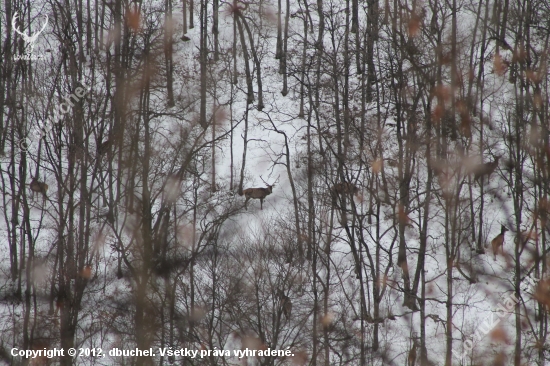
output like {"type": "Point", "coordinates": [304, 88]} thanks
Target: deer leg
{"type": "Point", "coordinates": [43, 190]}
{"type": "Point", "coordinates": [261, 203]}
{"type": "Point", "coordinates": [246, 203]}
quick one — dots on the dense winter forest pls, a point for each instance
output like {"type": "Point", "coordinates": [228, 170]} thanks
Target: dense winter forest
{"type": "Point", "coordinates": [401, 149]}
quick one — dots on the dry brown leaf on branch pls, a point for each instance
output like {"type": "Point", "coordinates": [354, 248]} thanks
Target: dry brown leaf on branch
{"type": "Point", "coordinates": [377, 165]}
{"type": "Point", "coordinates": [499, 65]}
{"type": "Point", "coordinates": [438, 113]}
{"type": "Point", "coordinates": [133, 19]}
{"type": "Point", "coordinates": [86, 272]}
{"type": "Point", "coordinates": [499, 335]}
{"type": "Point", "coordinates": [415, 24]}
{"type": "Point", "coordinates": [542, 292]}
{"type": "Point", "coordinates": [300, 358]}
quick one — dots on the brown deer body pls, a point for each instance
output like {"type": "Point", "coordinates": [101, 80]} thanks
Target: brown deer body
{"type": "Point", "coordinates": [486, 169]}
{"type": "Point", "coordinates": [258, 193]}
{"type": "Point", "coordinates": [342, 188]}
{"type": "Point", "coordinates": [498, 241]}
{"type": "Point", "coordinates": [39, 187]}
{"type": "Point", "coordinates": [345, 188]}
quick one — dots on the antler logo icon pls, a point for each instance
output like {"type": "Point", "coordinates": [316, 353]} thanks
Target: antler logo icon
{"type": "Point", "coordinates": [29, 40]}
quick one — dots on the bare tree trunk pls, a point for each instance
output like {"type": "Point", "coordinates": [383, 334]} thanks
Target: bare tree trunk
{"type": "Point", "coordinates": [283, 66]}
{"type": "Point", "coordinates": [260, 105]}
{"type": "Point", "coordinates": [279, 47]}
{"type": "Point", "coordinates": [203, 62]}
{"type": "Point", "coordinates": [184, 11]}
{"type": "Point", "coordinates": [191, 9]}
{"type": "Point", "coordinates": [168, 52]}
{"type": "Point", "coordinates": [245, 144]}
{"type": "Point", "coordinates": [213, 187]}
{"type": "Point", "coordinates": [250, 88]}
{"type": "Point", "coordinates": [215, 30]}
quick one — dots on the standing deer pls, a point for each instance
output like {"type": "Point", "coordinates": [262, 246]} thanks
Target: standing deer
{"type": "Point", "coordinates": [344, 188]}
{"type": "Point", "coordinates": [258, 193]}
{"type": "Point", "coordinates": [286, 304]}
{"type": "Point", "coordinates": [498, 241]}
{"type": "Point", "coordinates": [39, 187]}
{"type": "Point", "coordinates": [486, 169]}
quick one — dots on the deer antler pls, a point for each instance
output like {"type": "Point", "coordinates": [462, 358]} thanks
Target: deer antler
{"type": "Point", "coordinates": [267, 184]}
{"type": "Point", "coordinates": [25, 36]}
{"type": "Point", "coordinates": [13, 20]}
